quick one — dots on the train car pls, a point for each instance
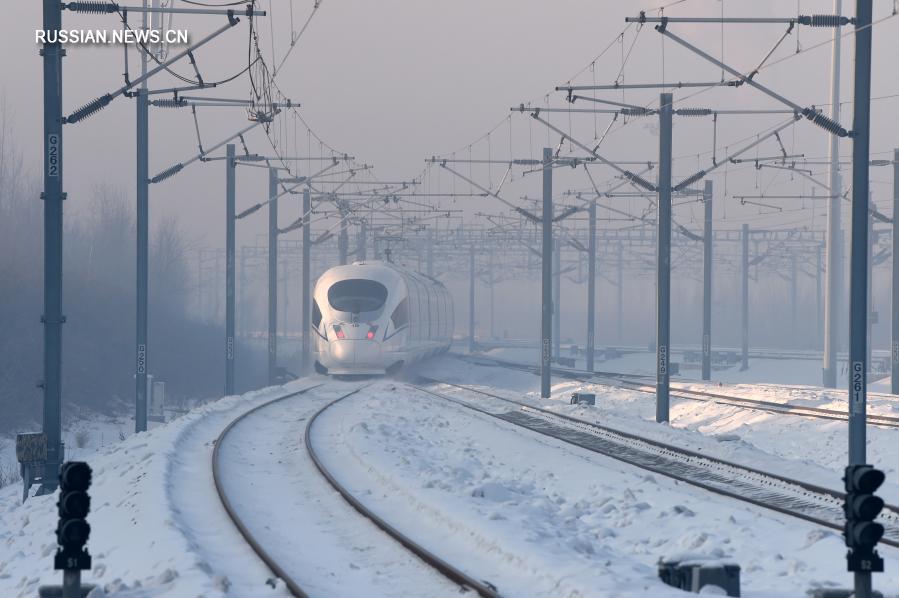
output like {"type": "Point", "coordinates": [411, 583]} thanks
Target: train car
{"type": "Point", "coordinates": [374, 317]}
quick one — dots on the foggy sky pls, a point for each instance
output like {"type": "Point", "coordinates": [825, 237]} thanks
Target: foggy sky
{"type": "Point", "coordinates": [393, 82]}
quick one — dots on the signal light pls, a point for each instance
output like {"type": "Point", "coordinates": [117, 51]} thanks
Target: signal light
{"type": "Point", "coordinates": [74, 504]}
{"type": "Point", "coordinates": [861, 507]}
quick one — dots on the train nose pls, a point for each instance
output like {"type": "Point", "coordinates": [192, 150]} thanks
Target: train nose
{"type": "Point", "coordinates": [367, 352]}
{"type": "Point", "coordinates": [342, 351]}
{"type": "Point", "coordinates": [356, 352]}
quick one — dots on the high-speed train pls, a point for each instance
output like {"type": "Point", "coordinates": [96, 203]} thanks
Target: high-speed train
{"type": "Point", "coordinates": [373, 318]}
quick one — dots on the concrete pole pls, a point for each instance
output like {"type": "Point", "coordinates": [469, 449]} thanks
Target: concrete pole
{"type": "Point", "coordinates": [818, 299]}
{"type": "Point", "coordinates": [272, 275]}
{"type": "Point", "coordinates": [663, 268]}
{"type": "Point", "coordinates": [306, 320]}
{"type": "Point", "coordinates": [142, 229]}
{"type": "Point", "coordinates": [546, 305]}
{"type": "Point", "coordinates": [142, 269]}
{"type": "Point", "coordinates": [492, 297]}
{"type": "Point", "coordinates": [284, 286]}
{"type": "Point", "coordinates": [619, 321]}
{"type": "Point", "coordinates": [794, 272]}
{"type": "Point", "coordinates": [744, 299]}
{"type": "Point", "coordinates": [343, 240]}
{"type": "Point", "coordinates": [53, 197]}
{"type": "Point", "coordinates": [216, 297]}
{"type": "Point", "coordinates": [894, 341]}
{"type": "Point", "coordinates": [707, 283]}
{"type": "Point", "coordinates": [591, 287]}
{"type": "Point", "coordinates": [362, 250]}
{"type": "Point", "coordinates": [858, 270]}
{"type": "Point", "coordinates": [230, 213]}
{"type": "Point", "coordinates": [557, 298]}
{"type": "Point", "coordinates": [834, 272]}
{"type": "Point", "coordinates": [241, 327]}
{"type": "Point", "coordinates": [430, 262]}
{"type": "Point", "coordinates": [471, 282]}
{"type": "Point", "coordinates": [869, 320]}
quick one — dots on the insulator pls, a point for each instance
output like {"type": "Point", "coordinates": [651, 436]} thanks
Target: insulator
{"type": "Point", "coordinates": [638, 111]}
{"type": "Point", "coordinates": [168, 172]}
{"type": "Point", "coordinates": [528, 215]}
{"type": "Point", "coordinates": [828, 124]}
{"type": "Point", "coordinates": [690, 180]}
{"type": "Point", "coordinates": [824, 20]}
{"type": "Point", "coordinates": [170, 103]}
{"type": "Point", "coordinates": [93, 7]}
{"type": "Point", "coordinates": [249, 211]}
{"type": "Point", "coordinates": [639, 181]}
{"type": "Point", "coordinates": [90, 109]}
{"type": "Point", "coordinates": [693, 111]}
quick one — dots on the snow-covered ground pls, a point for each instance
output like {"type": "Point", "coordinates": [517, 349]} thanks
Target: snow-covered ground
{"type": "Point", "coordinates": [533, 516]}
{"type": "Point", "coordinates": [304, 524]}
{"type": "Point", "coordinates": [85, 432]}
{"type": "Point", "coordinates": [142, 542]}
{"type": "Point", "coordinates": [771, 371]}
{"type": "Point", "coordinates": [83, 435]}
{"type": "Point", "coordinates": [813, 450]}
{"type": "Point", "coordinates": [537, 517]}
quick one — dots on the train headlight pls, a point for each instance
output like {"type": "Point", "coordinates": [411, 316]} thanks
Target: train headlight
{"type": "Point", "coordinates": [338, 332]}
{"type": "Point", "coordinates": [372, 329]}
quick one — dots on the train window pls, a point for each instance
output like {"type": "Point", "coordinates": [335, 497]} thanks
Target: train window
{"type": "Point", "coordinates": [356, 295]}
{"type": "Point", "coordinates": [400, 315]}
{"type": "Point", "coordinates": [316, 314]}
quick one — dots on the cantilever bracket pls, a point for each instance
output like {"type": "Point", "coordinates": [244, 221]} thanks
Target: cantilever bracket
{"type": "Point", "coordinates": [811, 114]}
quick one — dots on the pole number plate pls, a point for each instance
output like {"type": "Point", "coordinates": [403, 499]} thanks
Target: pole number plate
{"type": "Point", "coordinates": [53, 154]}
{"type": "Point", "coordinates": [229, 349]}
{"type": "Point", "coordinates": [663, 360]}
{"type": "Point", "coordinates": [142, 359]}
{"type": "Point", "coordinates": [858, 386]}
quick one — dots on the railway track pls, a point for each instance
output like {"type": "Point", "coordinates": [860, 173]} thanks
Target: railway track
{"type": "Point", "coordinates": [447, 570]}
{"type": "Point", "coordinates": [795, 498]}
{"type": "Point", "coordinates": [466, 582]}
{"type": "Point", "coordinates": [638, 382]}
{"type": "Point", "coordinates": [292, 585]}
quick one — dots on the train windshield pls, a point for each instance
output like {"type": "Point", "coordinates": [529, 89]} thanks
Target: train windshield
{"type": "Point", "coordinates": [357, 295]}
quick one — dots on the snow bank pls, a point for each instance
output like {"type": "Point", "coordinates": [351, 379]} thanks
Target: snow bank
{"type": "Point", "coordinates": [141, 543]}
{"type": "Point", "coordinates": [537, 517]}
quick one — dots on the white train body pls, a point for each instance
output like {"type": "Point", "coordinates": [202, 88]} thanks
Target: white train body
{"type": "Point", "coordinates": [373, 317]}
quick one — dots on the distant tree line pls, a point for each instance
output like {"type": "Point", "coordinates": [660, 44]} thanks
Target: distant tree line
{"type": "Point", "coordinates": [98, 302]}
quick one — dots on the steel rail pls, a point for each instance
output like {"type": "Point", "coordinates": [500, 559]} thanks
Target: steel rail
{"type": "Point", "coordinates": [253, 542]}
{"type": "Point", "coordinates": [686, 456]}
{"type": "Point", "coordinates": [630, 382]}
{"type": "Point", "coordinates": [464, 580]}
{"type": "Point", "coordinates": [763, 405]}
